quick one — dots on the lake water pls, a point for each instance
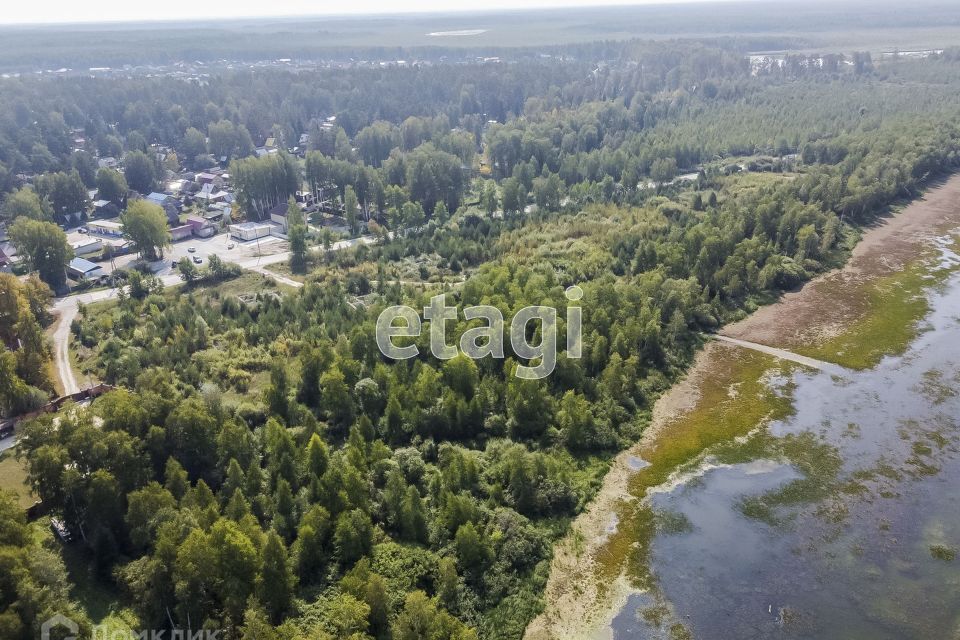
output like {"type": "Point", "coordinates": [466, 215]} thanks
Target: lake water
{"type": "Point", "coordinates": [865, 552]}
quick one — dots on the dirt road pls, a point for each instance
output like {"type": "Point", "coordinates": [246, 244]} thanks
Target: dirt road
{"type": "Point", "coordinates": [61, 342]}
{"type": "Point", "coordinates": [66, 310]}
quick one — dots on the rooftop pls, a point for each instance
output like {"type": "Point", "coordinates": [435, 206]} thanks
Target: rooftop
{"type": "Point", "coordinates": [244, 226]}
{"type": "Point", "coordinates": [106, 224]}
{"type": "Point", "coordinates": [84, 266]}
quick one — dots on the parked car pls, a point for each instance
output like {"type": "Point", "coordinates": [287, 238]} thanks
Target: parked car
{"type": "Point", "coordinates": [60, 530]}
{"type": "Point", "coordinates": [197, 260]}
{"type": "Point", "coordinates": [192, 249]}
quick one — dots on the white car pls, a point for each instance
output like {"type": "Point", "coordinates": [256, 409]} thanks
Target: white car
{"type": "Point", "coordinates": [191, 249]}
{"type": "Point", "coordinates": [60, 529]}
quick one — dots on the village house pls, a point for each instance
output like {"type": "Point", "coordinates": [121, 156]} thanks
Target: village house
{"type": "Point", "coordinates": [105, 209]}
{"type": "Point", "coordinates": [182, 232]}
{"type": "Point", "coordinates": [209, 194]}
{"type": "Point", "coordinates": [164, 200]}
{"type": "Point", "coordinates": [306, 198]}
{"type": "Point", "coordinates": [278, 215]}
{"type": "Point", "coordinates": [201, 228]}
{"type": "Point", "coordinates": [205, 177]}
{"type": "Point", "coordinates": [170, 205]}
{"type": "Point", "coordinates": [8, 253]}
{"type": "Point", "coordinates": [217, 213]}
{"type": "Point", "coordinates": [6, 262]}
{"type": "Point", "coordinates": [72, 219]}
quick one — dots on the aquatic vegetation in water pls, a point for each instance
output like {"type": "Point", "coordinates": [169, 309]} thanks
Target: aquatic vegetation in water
{"type": "Point", "coordinates": [818, 462]}
{"type": "Point", "coordinates": [654, 615]}
{"type": "Point", "coordinates": [741, 416]}
{"type": "Point", "coordinates": [943, 552]}
{"type": "Point", "coordinates": [935, 388]}
{"type": "Point", "coordinates": [718, 418]}
{"type": "Point", "coordinates": [888, 312]}
{"type": "Point", "coordinates": [669, 522]}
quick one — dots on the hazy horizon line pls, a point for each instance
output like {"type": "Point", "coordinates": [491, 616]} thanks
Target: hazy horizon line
{"type": "Point", "coordinates": [377, 13]}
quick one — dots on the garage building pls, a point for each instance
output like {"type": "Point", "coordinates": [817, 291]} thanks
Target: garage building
{"type": "Point", "coordinates": [80, 269]}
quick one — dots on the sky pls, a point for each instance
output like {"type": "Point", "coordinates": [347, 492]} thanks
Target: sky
{"type": "Point", "coordinates": [61, 11]}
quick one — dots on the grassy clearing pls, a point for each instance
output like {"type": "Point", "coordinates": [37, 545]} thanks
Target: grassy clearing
{"type": "Point", "coordinates": [13, 477]}
{"type": "Point", "coordinates": [744, 182]}
{"type": "Point", "coordinates": [101, 306]}
{"type": "Point", "coordinates": [254, 391]}
{"type": "Point", "coordinates": [96, 596]}
{"type": "Point", "coordinates": [54, 377]}
{"type": "Point", "coordinates": [283, 269]}
{"type": "Point", "coordinates": [81, 361]}
{"type": "Point", "coordinates": [734, 399]}
{"type": "Point", "coordinates": [247, 283]}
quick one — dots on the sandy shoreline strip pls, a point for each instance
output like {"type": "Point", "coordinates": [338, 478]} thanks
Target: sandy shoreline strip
{"type": "Point", "coordinates": [810, 313]}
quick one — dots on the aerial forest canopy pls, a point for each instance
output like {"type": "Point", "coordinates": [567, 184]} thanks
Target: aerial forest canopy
{"type": "Point", "coordinates": [262, 468]}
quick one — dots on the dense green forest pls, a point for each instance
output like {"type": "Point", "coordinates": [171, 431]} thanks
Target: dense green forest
{"type": "Point", "coordinates": [263, 469]}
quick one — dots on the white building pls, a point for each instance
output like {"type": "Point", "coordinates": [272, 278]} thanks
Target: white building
{"type": "Point", "coordinates": [246, 231]}
{"type": "Point", "coordinates": [87, 246]}
{"type": "Point", "coordinates": [106, 228]}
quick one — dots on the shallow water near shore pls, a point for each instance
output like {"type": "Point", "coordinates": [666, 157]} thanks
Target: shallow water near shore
{"type": "Point", "coordinates": [840, 521]}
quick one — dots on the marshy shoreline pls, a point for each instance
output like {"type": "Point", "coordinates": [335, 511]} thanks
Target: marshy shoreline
{"type": "Point", "coordinates": [583, 595]}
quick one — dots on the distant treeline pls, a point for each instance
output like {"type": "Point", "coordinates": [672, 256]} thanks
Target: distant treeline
{"type": "Point", "coordinates": [761, 25]}
{"type": "Point", "coordinates": [227, 114]}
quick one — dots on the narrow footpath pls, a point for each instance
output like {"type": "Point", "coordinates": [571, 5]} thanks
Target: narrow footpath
{"type": "Point", "coordinates": [783, 354]}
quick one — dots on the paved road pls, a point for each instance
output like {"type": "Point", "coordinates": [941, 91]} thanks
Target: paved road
{"type": "Point", "coordinates": [783, 354]}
